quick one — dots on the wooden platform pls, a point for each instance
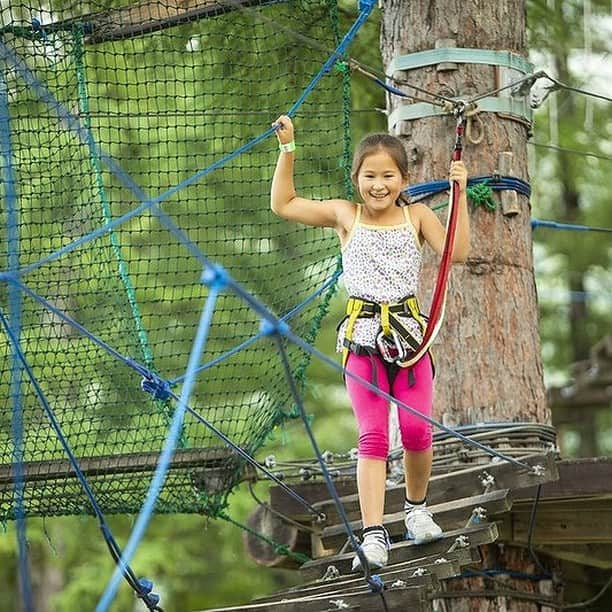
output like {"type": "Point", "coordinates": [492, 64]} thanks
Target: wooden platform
{"type": "Point", "coordinates": [476, 505]}
{"type": "Point", "coordinates": [149, 16]}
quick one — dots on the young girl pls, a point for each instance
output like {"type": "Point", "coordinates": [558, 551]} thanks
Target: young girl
{"type": "Point", "coordinates": [381, 241]}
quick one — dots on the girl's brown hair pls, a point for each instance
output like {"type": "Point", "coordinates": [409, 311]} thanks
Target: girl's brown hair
{"type": "Point", "coordinates": [392, 145]}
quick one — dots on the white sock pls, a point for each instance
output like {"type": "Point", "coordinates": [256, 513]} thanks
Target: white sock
{"type": "Point", "coordinates": [409, 506]}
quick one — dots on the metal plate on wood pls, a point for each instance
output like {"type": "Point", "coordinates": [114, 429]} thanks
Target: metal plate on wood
{"type": "Point", "coordinates": [413, 555]}
{"type": "Point", "coordinates": [450, 515]}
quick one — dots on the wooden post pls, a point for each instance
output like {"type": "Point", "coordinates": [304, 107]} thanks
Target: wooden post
{"type": "Point", "coordinates": [509, 198]}
{"type": "Point", "coordinates": [488, 353]}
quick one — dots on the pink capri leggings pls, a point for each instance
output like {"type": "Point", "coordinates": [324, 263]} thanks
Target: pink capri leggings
{"type": "Point", "coordinates": [372, 410]}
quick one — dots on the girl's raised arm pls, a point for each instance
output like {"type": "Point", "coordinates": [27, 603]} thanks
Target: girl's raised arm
{"type": "Point", "coordinates": [284, 200]}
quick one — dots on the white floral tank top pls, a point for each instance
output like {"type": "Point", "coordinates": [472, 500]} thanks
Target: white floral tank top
{"type": "Point", "coordinates": [381, 264]}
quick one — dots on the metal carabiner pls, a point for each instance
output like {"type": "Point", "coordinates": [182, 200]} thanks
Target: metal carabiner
{"type": "Point", "coordinates": [391, 349]}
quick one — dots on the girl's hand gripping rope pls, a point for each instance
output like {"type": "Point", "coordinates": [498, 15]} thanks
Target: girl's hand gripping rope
{"type": "Point", "coordinates": [284, 130]}
{"type": "Point", "coordinates": [458, 173]}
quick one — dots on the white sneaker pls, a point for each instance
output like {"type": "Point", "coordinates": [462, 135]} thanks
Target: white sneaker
{"type": "Point", "coordinates": [375, 547]}
{"type": "Point", "coordinates": [420, 526]}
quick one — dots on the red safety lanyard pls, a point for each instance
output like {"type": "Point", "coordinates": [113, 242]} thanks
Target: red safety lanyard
{"type": "Point", "coordinates": [436, 312]}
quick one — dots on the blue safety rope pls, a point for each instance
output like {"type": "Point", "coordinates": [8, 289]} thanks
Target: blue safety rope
{"type": "Point", "coordinates": [535, 223]}
{"type": "Point", "coordinates": [216, 282]}
{"type": "Point", "coordinates": [420, 191]}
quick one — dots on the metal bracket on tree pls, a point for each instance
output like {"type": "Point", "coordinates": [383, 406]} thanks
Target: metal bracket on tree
{"type": "Point", "coordinates": [509, 67]}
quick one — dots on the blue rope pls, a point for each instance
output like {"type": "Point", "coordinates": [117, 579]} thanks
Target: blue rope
{"type": "Point", "coordinates": [13, 244]}
{"type": "Point", "coordinates": [535, 223]}
{"type": "Point", "coordinates": [216, 283]}
{"type": "Point", "coordinates": [420, 191]}
{"type": "Point", "coordinates": [106, 532]}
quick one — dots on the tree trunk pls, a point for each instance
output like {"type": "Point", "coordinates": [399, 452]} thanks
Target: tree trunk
{"type": "Point", "coordinates": [488, 353]}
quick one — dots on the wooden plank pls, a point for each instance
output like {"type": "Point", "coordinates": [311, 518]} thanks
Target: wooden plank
{"type": "Point", "coordinates": [449, 515]}
{"type": "Point", "coordinates": [395, 598]}
{"type": "Point", "coordinates": [590, 554]}
{"type": "Point", "coordinates": [150, 16]}
{"type": "Point", "coordinates": [407, 552]}
{"type": "Point", "coordinates": [474, 480]}
{"type": "Point", "coordinates": [564, 402]}
{"type": "Point", "coordinates": [577, 478]}
{"type": "Point", "coordinates": [571, 521]}
{"type": "Point", "coordinates": [410, 576]}
{"type": "Point", "coordinates": [434, 563]}
{"type": "Point", "coordinates": [60, 469]}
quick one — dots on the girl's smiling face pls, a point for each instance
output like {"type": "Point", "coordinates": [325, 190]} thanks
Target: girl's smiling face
{"type": "Point", "coordinates": [380, 181]}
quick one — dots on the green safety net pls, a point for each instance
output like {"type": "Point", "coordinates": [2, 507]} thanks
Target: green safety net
{"type": "Point", "coordinates": [166, 89]}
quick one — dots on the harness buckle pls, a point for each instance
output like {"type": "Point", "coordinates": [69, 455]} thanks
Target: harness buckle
{"type": "Point", "coordinates": [390, 347]}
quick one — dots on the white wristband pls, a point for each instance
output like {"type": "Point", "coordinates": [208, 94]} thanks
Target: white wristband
{"type": "Point", "coordinates": [287, 147]}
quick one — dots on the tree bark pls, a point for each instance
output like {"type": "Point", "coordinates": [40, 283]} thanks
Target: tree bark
{"type": "Point", "coordinates": [488, 353]}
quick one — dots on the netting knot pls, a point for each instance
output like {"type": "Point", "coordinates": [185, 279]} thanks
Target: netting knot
{"type": "Point", "coordinates": [156, 386]}
{"type": "Point", "coordinates": [376, 583]}
{"type": "Point", "coordinates": [215, 276]}
{"type": "Point", "coordinates": [272, 328]}
{"type": "Point", "coordinates": [146, 593]}
{"type": "Point", "coordinates": [365, 5]}
{"type": "Point", "coordinates": [342, 66]}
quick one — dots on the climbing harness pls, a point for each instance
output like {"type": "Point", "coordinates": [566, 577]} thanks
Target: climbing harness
{"type": "Point", "coordinates": [394, 341]}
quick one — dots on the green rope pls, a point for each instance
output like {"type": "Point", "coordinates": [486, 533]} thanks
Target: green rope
{"type": "Point", "coordinates": [481, 194]}
{"type": "Point", "coordinates": [279, 549]}
{"type": "Point", "coordinates": [78, 55]}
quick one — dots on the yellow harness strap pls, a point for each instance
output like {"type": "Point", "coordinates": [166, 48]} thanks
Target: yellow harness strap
{"type": "Point", "coordinates": [384, 319]}
{"type": "Point", "coordinates": [413, 306]}
{"type": "Point", "coordinates": [353, 310]}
